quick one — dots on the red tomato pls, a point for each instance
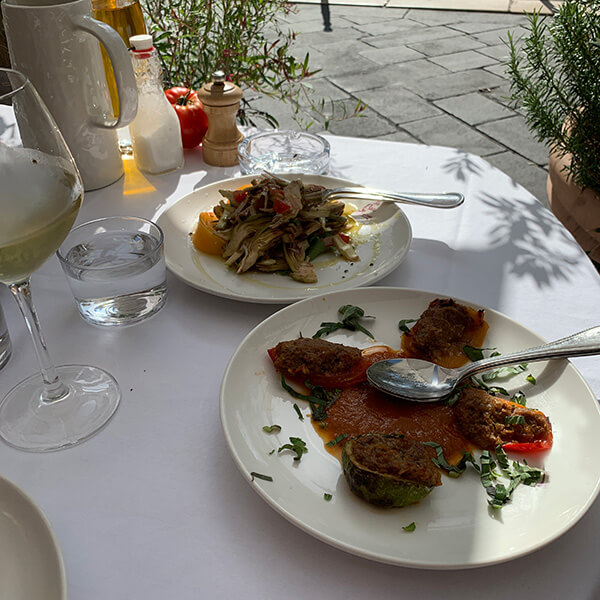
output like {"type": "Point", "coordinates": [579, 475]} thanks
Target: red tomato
{"type": "Point", "coordinates": [192, 118]}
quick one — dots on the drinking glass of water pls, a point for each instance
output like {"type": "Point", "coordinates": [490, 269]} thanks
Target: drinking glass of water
{"type": "Point", "coordinates": [40, 195]}
{"type": "Point", "coordinates": [116, 270]}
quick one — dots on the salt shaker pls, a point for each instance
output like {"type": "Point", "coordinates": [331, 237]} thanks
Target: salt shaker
{"type": "Point", "coordinates": [221, 100]}
{"type": "Point", "coordinates": [155, 132]}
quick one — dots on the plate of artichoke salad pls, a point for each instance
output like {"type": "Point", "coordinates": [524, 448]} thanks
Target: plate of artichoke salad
{"type": "Point", "coordinates": [267, 239]}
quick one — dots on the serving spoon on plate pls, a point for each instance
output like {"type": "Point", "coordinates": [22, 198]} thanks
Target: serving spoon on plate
{"type": "Point", "coordinates": [423, 381]}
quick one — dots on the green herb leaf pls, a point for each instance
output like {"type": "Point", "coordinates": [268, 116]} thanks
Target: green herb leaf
{"type": "Point", "coordinates": [272, 451]}
{"type": "Point", "coordinates": [504, 372]}
{"type": "Point", "coordinates": [256, 475]}
{"type": "Point", "coordinates": [319, 401]}
{"type": "Point", "coordinates": [531, 379]}
{"type": "Point", "coordinates": [440, 460]}
{"type": "Point", "coordinates": [327, 496]}
{"type": "Point", "coordinates": [350, 320]}
{"type": "Point", "coordinates": [410, 528]}
{"type": "Point", "coordinates": [494, 390]}
{"type": "Point", "coordinates": [402, 324]}
{"type": "Point", "coordinates": [296, 445]}
{"type": "Point", "coordinates": [272, 428]}
{"type": "Point", "coordinates": [517, 473]}
{"type": "Point", "coordinates": [514, 420]}
{"type": "Point", "coordinates": [519, 398]}
{"type": "Point", "coordinates": [298, 412]}
{"type": "Point", "coordinates": [472, 353]}
{"type": "Point", "coordinates": [316, 247]}
{"type": "Point", "coordinates": [337, 440]}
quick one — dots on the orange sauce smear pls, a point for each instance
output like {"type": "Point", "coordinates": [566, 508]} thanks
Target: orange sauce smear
{"type": "Point", "coordinates": [363, 409]}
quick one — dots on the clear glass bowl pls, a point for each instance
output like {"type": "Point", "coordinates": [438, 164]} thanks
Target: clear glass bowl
{"type": "Point", "coordinates": [284, 152]}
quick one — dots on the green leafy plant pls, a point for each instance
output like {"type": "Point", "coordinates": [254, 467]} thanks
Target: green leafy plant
{"type": "Point", "coordinates": [555, 71]}
{"type": "Point", "coordinates": [246, 39]}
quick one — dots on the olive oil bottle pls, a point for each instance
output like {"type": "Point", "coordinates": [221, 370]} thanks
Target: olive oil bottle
{"type": "Point", "coordinates": [126, 18]}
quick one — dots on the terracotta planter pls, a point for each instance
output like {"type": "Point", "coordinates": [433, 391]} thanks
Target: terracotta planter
{"type": "Point", "coordinates": [578, 210]}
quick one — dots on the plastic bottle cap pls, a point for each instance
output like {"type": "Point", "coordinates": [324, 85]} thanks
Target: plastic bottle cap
{"type": "Point", "coordinates": [141, 42]}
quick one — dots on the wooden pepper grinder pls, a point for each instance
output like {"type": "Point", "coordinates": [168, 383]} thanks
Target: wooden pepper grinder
{"type": "Point", "coordinates": [221, 100]}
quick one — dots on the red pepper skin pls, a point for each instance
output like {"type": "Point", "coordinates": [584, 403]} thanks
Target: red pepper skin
{"type": "Point", "coordinates": [536, 446]}
{"type": "Point", "coordinates": [356, 375]}
{"type": "Point", "coordinates": [239, 196]}
{"type": "Point", "coordinates": [279, 206]}
{"type": "Point", "coordinates": [345, 238]}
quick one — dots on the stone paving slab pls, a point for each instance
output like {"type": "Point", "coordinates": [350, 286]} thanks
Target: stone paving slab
{"type": "Point", "coordinates": [514, 134]}
{"type": "Point", "coordinates": [399, 104]}
{"type": "Point", "coordinates": [463, 61]}
{"type": "Point", "coordinates": [406, 74]}
{"type": "Point", "coordinates": [448, 45]}
{"type": "Point", "coordinates": [413, 33]}
{"type": "Point", "coordinates": [509, 6]}
{"type": "Point", "coordinates": [454, 84]}
{"type": "Point", "coordinates": [474, 108]}
{"type": "Point", "coordinates": [445, 130]}
{"type": "Point", "coordinates": [427, 76]}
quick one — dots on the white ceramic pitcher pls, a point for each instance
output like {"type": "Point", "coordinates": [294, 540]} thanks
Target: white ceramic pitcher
{"type": "Point", "coordinates": [54, 43]}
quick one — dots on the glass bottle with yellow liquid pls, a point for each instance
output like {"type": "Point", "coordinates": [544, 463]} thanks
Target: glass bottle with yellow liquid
{"type": "Point", "coordinates": [127, 19]}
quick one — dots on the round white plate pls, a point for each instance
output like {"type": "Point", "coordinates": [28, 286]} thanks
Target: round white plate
{"type": "Point", "coordinates": [31, 564]}
{"type": "Point", "coordinates": [454, 528]}
{"type": "Point", "coordinates": [383, 243]}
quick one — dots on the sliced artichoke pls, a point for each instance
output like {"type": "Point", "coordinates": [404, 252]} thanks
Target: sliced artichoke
{"type": "Point", "coordinates": [389, 470]}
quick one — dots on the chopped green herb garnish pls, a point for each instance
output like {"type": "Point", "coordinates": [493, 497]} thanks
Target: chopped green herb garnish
{"type": "Point", "coordinates": [519, 398]}
{"type": "Point", "coordinates": [337, 440]}
{"type": "Point", "coordinates": [475, 354]}
{"type": "Point", "coordinates": [494, 390]}
{"type": "Point", "coordinates": [531, 379]}
{"type": "Point", "coordinates": [298, 412]}
{"type": "Point", "coordinates": [402, 324]}
{"type": "Point", "coordinates": [517, 473]}
{"type": "Point", "coordinates": [454, 397]}
{"type": "Point", "coordinates": [256, 475]}
{"type": "Point", "coordinates": [271, 451]}
{"type": "Point", "coordinates": [324, 400]}
{"type": "Point", "coordinates": [290, 390]}
{"type": "Point", "coordinates": [350, 317]}
{"type": "Point", "coordinates": [327, 496]}
{"type": "Point", "coordinates": [410, 528]}
{"type": "Point", "coordinates": [296, 445]}
{"type": "Point", "coordinates": [440, 460]}
{"type": "Point", "coordinates": [320, 399]}
{"type": "Point", "coordinates": [504, 372]}
{"type": "Point", "coordinates": [514, 420]}
{"type": "Point", "coordinates": [272, 428]}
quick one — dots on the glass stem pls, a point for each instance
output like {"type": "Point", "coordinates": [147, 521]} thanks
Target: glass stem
{"type": "Point", "coordinates": [54, 388]}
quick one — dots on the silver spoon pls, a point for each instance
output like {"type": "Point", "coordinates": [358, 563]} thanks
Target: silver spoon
{"type": "Point", "coordinates": [422, 381]}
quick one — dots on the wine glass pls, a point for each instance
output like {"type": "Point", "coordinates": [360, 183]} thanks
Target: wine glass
{"type": "Point", "coordinates": [40, 194]}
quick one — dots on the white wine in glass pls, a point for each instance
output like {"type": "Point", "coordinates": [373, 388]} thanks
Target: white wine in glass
{"type": "Point", "coordinates": [40, 196]}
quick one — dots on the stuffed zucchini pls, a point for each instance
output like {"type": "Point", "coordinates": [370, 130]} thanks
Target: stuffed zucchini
{"type": "Point", "coordinates": [389, 470]}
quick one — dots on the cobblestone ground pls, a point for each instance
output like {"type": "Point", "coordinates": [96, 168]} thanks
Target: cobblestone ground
{"type": "Point", "coordinates": [428, 76]}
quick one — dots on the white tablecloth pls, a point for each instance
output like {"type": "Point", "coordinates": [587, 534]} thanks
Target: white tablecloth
{"type": "Point", "coordinates": [154, 507]}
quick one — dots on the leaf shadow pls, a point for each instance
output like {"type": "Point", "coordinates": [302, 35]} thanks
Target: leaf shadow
{"type": "Point", "coordinates": [535, 243]}
{"type": "Point", "coordinates": [462, 165]}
